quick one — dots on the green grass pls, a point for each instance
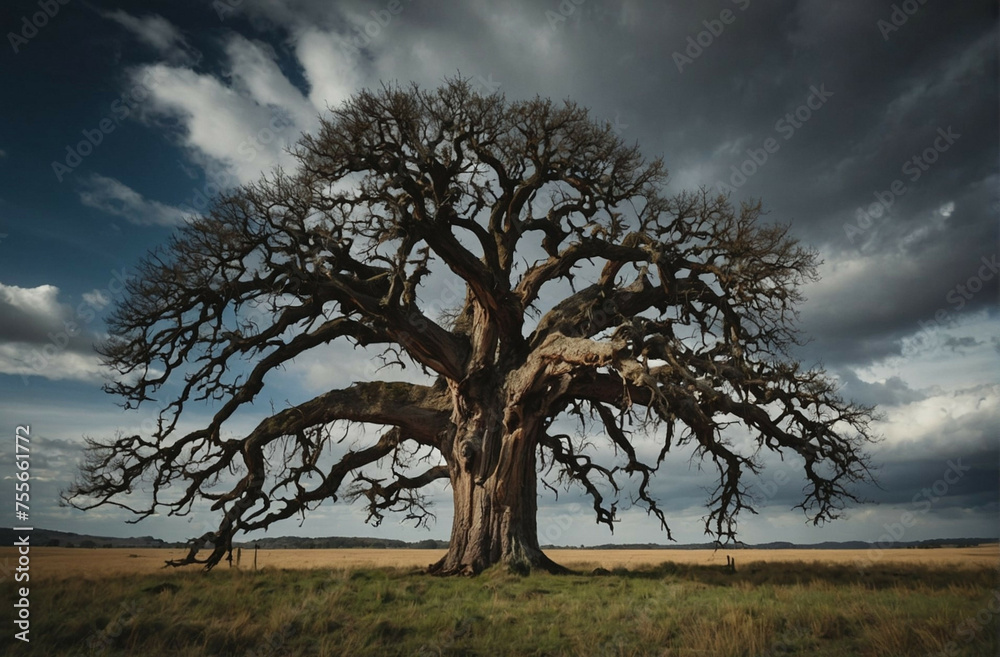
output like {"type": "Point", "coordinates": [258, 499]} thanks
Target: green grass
{"type": "Point", "coordinates": [764, 609]}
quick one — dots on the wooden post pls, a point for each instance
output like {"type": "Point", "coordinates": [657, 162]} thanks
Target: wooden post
{"type": "Point", "coordinates": [255, 546]}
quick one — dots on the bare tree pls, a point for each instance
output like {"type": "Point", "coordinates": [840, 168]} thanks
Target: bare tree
{"type": "Point", "coordinates": [675, 329]}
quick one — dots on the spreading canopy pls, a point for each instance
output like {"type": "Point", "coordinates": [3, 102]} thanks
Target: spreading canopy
{"type": "Point", "coordinates": [676, 324]}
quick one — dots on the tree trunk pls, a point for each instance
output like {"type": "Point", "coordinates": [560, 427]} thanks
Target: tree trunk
{"type": "Point", "coordinates": [495, 508]}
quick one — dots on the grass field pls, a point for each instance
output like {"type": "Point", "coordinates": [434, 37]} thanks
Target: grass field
{"type": "Point", "coordinates": [77, 562]}
{"type": "Point", "coordinates": [376, 602]}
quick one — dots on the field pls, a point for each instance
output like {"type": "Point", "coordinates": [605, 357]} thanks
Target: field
{"type": "Point", "coordinates": [376, 602]}
{"type": "Point", "coordinates": [61, 563]}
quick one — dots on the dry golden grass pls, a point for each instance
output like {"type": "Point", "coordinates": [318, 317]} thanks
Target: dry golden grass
{"type": "Point", "coordinates": [58, 563]}
{"type": "Point", "coordinates": [984, 555]}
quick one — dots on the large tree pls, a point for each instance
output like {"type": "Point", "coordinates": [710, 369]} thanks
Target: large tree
{"type": "Point", "coordinates": [674, 327]}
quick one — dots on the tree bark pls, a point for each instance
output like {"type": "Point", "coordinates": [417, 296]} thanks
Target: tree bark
{"type": "Point", "coordinates": [494, 484]}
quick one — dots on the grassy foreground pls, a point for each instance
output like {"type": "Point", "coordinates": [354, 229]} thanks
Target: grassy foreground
{"type": "Point", "coordinates": [764, 609]}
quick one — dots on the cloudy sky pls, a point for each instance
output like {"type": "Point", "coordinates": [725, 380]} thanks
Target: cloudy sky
{"type": "Point", "coordinates": [871, 127]}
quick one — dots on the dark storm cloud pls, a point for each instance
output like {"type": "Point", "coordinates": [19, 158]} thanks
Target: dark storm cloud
{"type": "Point", "coordinates": [959, 345]}
{"type": "Point", "coordinates": [863, 308]}
{"type": "Point", "coordinates": [894, 392]}
{"type": "Point", "coordinates": [962, 479]}
{"type": "Point", "coordinates": [926, 93]}
{"type": "Point", "coordinates": [891, 102]}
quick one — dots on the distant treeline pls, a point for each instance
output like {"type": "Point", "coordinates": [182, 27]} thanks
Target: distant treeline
{"type": "Point", "coordinates": [53, 538]}
{"type": "Point", "coordinates": [340, 542]}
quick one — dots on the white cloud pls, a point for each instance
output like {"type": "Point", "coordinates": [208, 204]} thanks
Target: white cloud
{"type": "Point", "coordinates": [41, 336]}
{"type": "Point", "coordinates": [114, 197]}
{"type": "Point", "coordinates": [228, 121]}
{"type": "Point", "coordinates": [234, 129]}
{"type": "Point", "coordinates": [950, 357]}
{"type": "Point", "coordinates": [39, 301]}
{"type": "Point", "coordinates": [959, 419]}
{"type": "Point", "coordinates": [331, 72]}
{"type": "Point", "coordinates": [256, 76]}
{"type": "Point", "coordinates": [97, 298]}
{"type": "Point", "coordinates": [49, 361]}
{"type": "Point", "coordinates": [159, 33]}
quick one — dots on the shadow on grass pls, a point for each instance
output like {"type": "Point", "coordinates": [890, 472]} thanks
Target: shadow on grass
{"type": "Point", "coordinates": [755, 573]}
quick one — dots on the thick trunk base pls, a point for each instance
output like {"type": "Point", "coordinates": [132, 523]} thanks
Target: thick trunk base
{"type": "Point", "coordinates": [448, 566]}
{"type": "Point", "coordinates": [495, 524]}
